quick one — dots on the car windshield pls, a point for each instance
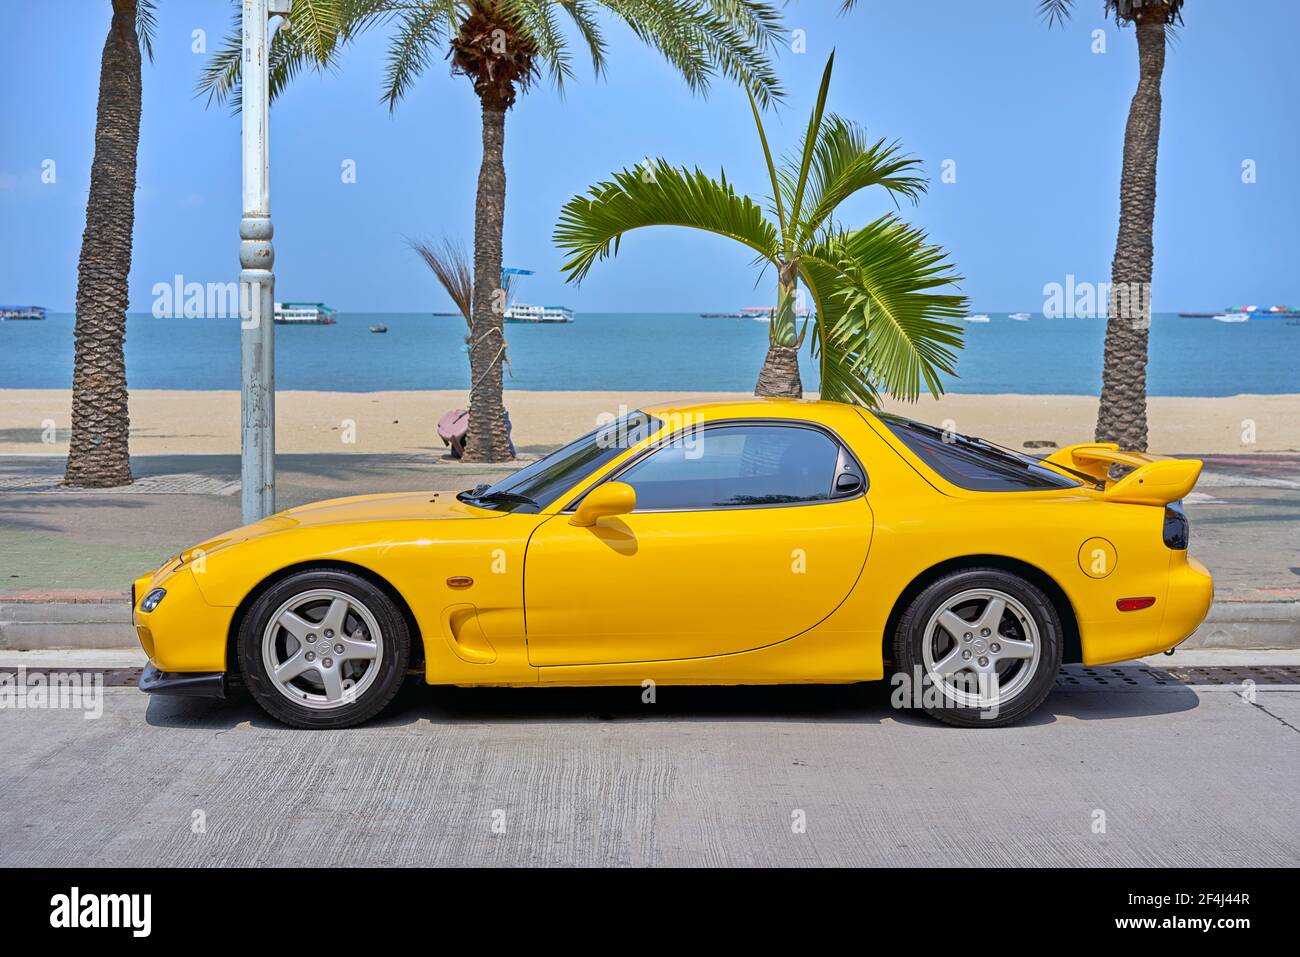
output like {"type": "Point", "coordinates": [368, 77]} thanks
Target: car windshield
{"type": "Point", "coordinates": [535, 486]}
{"type": "Point", "coordinates": [972, 463]}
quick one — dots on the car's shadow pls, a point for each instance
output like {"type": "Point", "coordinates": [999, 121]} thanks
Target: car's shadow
{"type": "Point", "coordinates": [870, 703]}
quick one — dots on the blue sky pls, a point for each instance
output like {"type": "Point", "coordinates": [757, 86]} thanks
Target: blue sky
{"type": "Point", "coordinates": [1032, 118]}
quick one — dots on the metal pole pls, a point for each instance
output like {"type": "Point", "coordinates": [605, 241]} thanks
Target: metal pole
{"type": "Point", "coordinates": [256, 278]}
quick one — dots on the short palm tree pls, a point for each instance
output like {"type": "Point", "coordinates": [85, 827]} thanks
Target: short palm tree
{"type": "Point", "coordinates": [1122, 411]}
{"type": "Point", "coordinates": [502, 47]}
{"type": "Point", "coordinates": [450, 265]}
{"type": "Point", "coordinates": [98, 452]}
{"type": "Point", "coordinates": [879, 319]}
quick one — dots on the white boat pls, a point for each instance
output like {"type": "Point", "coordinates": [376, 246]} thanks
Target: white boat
{"type": "Point", "coordinates": [523, 312]}
{"type": "Point", "coordinates": [1232, 317]}
{"type": "Point", "coordinates": [304, 314]}
{"type": "Point", "coordinates": [19, 313]}
{"type": "Point", "coordinates": [1020, 316]}
{"type": "Point", "coordinates": [980, 317]}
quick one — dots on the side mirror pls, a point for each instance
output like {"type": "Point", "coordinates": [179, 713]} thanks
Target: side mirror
{"type": "Point", "coordinates": [611, 498]}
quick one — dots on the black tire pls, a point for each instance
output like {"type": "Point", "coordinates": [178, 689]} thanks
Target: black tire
{"type": "Point", "coordinates": [1037, 681]}
{"type": "Point", "coordinates": [378, 690]}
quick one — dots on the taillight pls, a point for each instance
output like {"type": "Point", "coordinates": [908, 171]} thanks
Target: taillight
{"type": "Point", "coordinates": [1134, 604]}
{"type": "Point", "coordinates": [1177, 529]}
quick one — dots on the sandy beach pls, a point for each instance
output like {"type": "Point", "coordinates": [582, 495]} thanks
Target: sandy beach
{"type": "Point", "coordinates": [35, 421]}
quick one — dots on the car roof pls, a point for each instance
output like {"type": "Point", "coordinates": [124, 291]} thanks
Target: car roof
{"type": "Point", "coordinates": [816, 410]}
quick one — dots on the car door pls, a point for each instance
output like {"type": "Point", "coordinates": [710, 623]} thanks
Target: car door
{"type": "Point", "coordinates": [744, 534]}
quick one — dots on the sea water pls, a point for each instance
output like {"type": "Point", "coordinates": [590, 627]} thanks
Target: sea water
{"type": "Point", "coordinates": [647, 351]}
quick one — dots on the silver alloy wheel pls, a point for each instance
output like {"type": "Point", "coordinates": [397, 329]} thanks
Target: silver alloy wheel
{"type": "Point", "coordinates": [322, 649]}
{"type": "Point", "coordinates": [982, 648]}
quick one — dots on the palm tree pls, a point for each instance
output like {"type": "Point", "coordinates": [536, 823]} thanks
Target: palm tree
{"type": "Point", "coordinates": [1122, 411]}
{"type": "Point", "coordinates": [502, 47]}
{"type": "Point", "coordinates": [879, 323]}
{"type": "Point", "coordinates": [98, 452]}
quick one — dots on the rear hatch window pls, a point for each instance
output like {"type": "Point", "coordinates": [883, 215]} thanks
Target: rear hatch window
{"type": "Point", "coordinates": [973, 463]}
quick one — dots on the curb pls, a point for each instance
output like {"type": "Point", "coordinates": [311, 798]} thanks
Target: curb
{"type": "Point", "coordinates": [73, 622]}
{"type": "Point", "coordinates": [1249, 625]}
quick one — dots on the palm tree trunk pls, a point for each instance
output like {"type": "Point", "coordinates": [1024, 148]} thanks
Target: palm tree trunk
{"type": "Point", "coordinates": [1122, 412]}
{"type": "Point", "coordinates": [98, 455]}
{"type": "Point", "coordinates": [780, 373]}
{"type": "Point", "coordinates": [486, 439]}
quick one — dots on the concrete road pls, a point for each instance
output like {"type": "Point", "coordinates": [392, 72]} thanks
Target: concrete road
{"type": "Point", "coordinates": [1116, 769]}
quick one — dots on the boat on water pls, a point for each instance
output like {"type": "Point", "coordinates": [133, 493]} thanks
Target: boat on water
{"type": "Point", "coordinates": [763, 313]}
{"type": "Point", "coordinates": [1020, 316]}
{"type": "Point", "coordinates": [21, 313]}
{"type": "Point", "coordinates": [304, 314]}
{"type": "Point", "coordinates": [1258, 312]}
{"type": "Point", "coordinates": [524, 312]}
{"type": "Point", "coordinates": [1232, 317]}
{"type": "Point", "coordinates": [379, 328]}
{"type": "Point", "coordinates": [978, 317]}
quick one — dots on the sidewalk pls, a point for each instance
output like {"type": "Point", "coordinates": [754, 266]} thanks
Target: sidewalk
{"type": "Point", "coordinates": [67, 557]}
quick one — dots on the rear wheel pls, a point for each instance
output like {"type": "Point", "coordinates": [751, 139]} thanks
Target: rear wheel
{"type": "Point", "coordinates": [985, 645]}
{"type": "Point", "coordinates": [323, 649]}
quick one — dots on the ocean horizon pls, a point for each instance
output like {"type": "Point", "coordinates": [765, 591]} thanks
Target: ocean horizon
{"type": "Point", "coordinates": [647, 352]}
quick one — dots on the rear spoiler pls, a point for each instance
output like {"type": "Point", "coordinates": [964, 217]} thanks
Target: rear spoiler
{"type": "Point", "coordinates": [1155, 479]}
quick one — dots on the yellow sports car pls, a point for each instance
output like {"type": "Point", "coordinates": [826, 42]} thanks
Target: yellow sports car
{"type": "Point", "coordinates": [750, 542]}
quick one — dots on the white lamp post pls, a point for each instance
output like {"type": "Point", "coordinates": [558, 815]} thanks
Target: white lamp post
{"type": "Point", "coordinates": [256, 277]}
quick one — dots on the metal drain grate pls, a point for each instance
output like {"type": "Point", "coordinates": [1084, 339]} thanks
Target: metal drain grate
{"type": "Point", "coordinates": [1146, 676]}
{"type": "Point", "coordinates": [1079, 677]}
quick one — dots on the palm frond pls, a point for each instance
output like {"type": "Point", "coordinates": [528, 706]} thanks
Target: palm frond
{"type": "Point", "coordinates": [888, 326]}
{"type": "Point", "coordinates": [845, 162]}
{"type": "Point", "coordinates": [292, 50]}
{"type": "Point", "coordinates": [537, 18]}
{"type": "Point", "coordinates": [146, 26]}
{"type": "Point", "coordinates": [810, 140]}
{"type": "Point", "coordinates": [410, 50]}
{"type": "Point", "coordinates": [450, 265]}
{"type": "Point", "coordinates": [589, 28]}
{"type": "Point", "coordinates": [591, 227]}
{"type": "Point", "coordinates": [1055, 12]}
{"type": "Point", "coordinates": [705, 38]}
{"type": "Point", "coordinates": [316, 25]}
{"type": "Point", "coordinates": [778, 206]}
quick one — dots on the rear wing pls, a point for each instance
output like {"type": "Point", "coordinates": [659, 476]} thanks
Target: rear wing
{"type": "Point", "coordinates": [1155, 479]}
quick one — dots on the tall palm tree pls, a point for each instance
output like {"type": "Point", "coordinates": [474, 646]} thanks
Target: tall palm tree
{"type": "Point", "coordinates": [878, 321]}
{"type": "Point", "coordinates": [502, 47]}
{"type": "Point", "coordinates": [98, 452]}
{"type": "Point", "coordinates": [1122, 411]}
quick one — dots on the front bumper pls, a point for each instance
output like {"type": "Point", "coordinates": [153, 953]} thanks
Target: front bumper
{"type": "Point", "coordinates": [189, 684]}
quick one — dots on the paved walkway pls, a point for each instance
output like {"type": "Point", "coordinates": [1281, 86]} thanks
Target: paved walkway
{"type": "Point", "coordinates": [1122, 771]}
{"type": "Point", "coordinates": [1245, 515]}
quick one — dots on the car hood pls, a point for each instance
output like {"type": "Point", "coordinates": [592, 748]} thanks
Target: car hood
{"type": "Point", "coordinates": [399, 506]}
{"type": "Point", "coordinates": [393, 507]}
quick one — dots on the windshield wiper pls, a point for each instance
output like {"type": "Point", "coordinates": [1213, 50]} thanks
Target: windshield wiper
{"type": "Point", "coordinates": [513, 498]}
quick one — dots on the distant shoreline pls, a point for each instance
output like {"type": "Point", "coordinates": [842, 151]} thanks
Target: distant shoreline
{"type": "Point", "coordinates": [207, 422]}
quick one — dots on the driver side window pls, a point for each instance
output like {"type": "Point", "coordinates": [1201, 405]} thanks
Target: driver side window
{"type": "Point", "coordinates": [736, 467]}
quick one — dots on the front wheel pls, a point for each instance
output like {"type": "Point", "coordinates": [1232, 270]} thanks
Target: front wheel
{"type": "Point", "coordinates": [982, 647]}
{"type": "Point", "coordinates": [323, 649]}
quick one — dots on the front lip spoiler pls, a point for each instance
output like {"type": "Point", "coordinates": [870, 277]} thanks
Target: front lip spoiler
{"type": "Point", "coordinates": [189, 684]}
